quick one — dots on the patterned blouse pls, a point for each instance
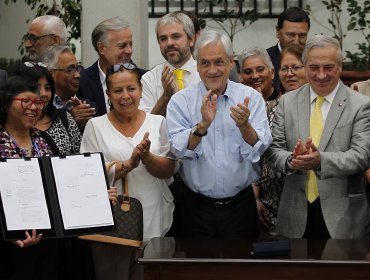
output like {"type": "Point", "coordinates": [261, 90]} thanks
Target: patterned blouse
{"type": "Point", "coordinates": [10, 149]}
{"type": "Point", "coordinates": [270, 183]}
{"type": "Point", "coordinates": [63, 137]}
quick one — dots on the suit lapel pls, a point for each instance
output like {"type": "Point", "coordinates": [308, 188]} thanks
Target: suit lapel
{"type": "Point", "coordinates": [303, 111]}
{"type": "Point", "coordinates": [336, 109]}
{"type": "Point", "coordinates": [97, 89]}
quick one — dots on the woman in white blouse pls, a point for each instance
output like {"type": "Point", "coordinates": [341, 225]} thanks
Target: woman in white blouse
{"type": "Point", "coordinates": [139, 141]}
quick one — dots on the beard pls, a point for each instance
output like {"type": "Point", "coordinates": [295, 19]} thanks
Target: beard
{"type": "Point", "coordinates": [33, 57]}
{"type": "Point", "coordinates": [178, 58]}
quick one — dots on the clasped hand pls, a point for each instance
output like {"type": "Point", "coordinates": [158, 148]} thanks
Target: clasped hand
{"type": "Point", "coordinates": [141, 152]}
{"type": "Point", "coordinates": [168, 82]}
{"type": "Point", "coordinates": [306, 156]}
{"type": "Point", "coordinates": [239, 113]}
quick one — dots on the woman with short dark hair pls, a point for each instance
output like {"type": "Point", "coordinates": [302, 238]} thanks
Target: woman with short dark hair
{"type": "Point", "coordinates": [57, 127]}
{"type": "Point", "coordinates": [20, 108]}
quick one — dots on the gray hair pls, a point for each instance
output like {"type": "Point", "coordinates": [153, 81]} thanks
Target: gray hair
{"type": "Point", "coordinates": [322, 41]}
{"type": "Point", "coordinates": [53, 25]}
{"type": "Point", "coordinates": [212, 36]}
{"type": "Point", "coordinates": [180, 18]}
{"type": "Point", "coordinates": [51, 56]}
{"type": "Point", "coordinates": [255, 52]}
{"type": "Point", "coordinates": [99, 33]}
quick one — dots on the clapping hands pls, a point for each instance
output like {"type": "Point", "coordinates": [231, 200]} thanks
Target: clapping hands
{"type": "Point", "coordinates": [306, 156]}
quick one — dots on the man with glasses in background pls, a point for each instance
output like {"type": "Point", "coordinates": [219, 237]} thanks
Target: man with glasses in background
{"type": "Point", "coordinates": [291, 29]}
{"type": "Point", "coordinates": [112, 40]}
{"type": "Point", "coordinates": [65, 70]}
{"type": "Point", "coordinates": [43, 32]}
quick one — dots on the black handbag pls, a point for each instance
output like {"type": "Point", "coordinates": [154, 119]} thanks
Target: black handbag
{"type": "Point", "coordinates": [128, 216]}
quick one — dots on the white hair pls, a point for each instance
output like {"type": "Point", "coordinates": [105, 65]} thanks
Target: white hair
{"type": "Point", "coordinates": [53, 25]}
{"type": "Point", "coordinates": [322, 41]}
{"type": "Point", "coordinates": [212, 36]}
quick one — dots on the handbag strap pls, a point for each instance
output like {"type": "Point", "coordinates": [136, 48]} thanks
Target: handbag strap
{"type": "Point", "coordinates": [125, 206]}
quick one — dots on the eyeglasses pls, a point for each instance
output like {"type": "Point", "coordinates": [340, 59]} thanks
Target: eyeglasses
{"type": "Point", "coordinates": [117, 67]}
{"type": "Point", "coordinates": [27, 103]}
{"type": "Point", "coordinates": [33, 64]}
{"type": "Point", "coordinates": [70, 70]}
{"type": "Point", "coordinates": [33, 38]}
{"type": "Point", "coordinates": [293, 69]}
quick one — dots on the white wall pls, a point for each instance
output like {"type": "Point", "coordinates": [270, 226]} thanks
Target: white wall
{"type": "Point", "coordinates": [146, 51]}
{"type": "Point", "coordinates": [262, 32]}
{"type": "Point", "coordinates": [134, 12]}
{"type": "Point", "coordinates": [12, 27]}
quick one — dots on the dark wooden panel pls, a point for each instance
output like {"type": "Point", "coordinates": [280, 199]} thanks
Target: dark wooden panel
{"type": "Point", "coordinates": [181, 258]}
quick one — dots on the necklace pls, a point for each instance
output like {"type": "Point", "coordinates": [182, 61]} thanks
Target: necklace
{"type": "Point", "coordinates": [126, 129]}
{"type": "Point", "coordinates": [26, 151]}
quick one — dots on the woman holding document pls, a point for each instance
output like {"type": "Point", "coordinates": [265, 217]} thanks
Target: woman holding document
{"type": "Point", "coordinates": [139, 141]}
{"type": "Point", "coordinates": [20, 108]}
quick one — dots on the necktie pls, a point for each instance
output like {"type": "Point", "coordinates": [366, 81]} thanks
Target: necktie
{"type": "Point", "coordinates": [179, 74]}
{"type": "Point", "coordinates": [316, 128]}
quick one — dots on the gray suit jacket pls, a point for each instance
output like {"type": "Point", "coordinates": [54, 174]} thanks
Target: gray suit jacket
{"type": "Point", "coordinates": [344, 152]}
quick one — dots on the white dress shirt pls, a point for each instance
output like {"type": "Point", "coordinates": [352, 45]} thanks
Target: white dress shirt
{"type": "Point", "coordinates": [152, 85]}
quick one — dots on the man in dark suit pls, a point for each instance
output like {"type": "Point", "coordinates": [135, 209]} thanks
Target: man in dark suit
{"type": "Point", "coordinates": [112, 39]}
{"type": "Point", "coordinates": [324, 191]}
{"type": "Point", "coordinates": [291, 29]}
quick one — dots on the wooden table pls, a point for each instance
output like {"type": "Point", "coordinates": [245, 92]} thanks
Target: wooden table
{"type": "Point", "coordinates": [182, 258]}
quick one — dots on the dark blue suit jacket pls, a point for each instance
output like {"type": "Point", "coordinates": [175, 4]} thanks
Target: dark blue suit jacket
{"type": "Point", "coordinates": [90, 88]}
{"type": "Point", "coordinates": [274, 54]}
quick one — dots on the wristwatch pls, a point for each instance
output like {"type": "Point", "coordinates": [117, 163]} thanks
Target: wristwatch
{"type": "Point", "coordinates": [195, 131]}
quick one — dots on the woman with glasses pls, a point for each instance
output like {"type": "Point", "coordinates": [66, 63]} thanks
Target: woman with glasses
{"type": "Point", "coordinates": [139, 141]}
{"type": "Point", "coordinates": [20, 108]}
{"type": "Point", "coordinates": [63, 136]}
{"type": "Point", "coordinates": [57, 127]}
{"type": "Point", "coordinates": [291, 68]}
{"type": "Point", "coordinates": [269, 187]}
{"type": "Point", "coordinates": [257, 71]}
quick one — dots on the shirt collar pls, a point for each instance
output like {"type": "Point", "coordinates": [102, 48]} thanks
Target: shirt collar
{"type": "Point", "coordinates": [329, 97]}
{"type": "Point", "coordinates": [59, 103]}
{"type": "Point", "coordinates": [189, 65]}
{"type": "Point", "coordinates": [101, 72]}
{"type": "Point", "coordinates": [227, 92]}
{"type": "Point", "coordinates": [279, 46]}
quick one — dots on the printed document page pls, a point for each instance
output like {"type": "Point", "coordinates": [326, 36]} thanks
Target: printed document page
{"type": "Point", "coordinates": [82, 191]}
{"type": "Point", "coordinates": [23, 195]}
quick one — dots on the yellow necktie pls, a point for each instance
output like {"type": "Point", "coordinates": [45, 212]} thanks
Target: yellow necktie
{"type": "Point", "coordinates": [179, 74]}
{"type": "Point", "coordinates": [316, 128]}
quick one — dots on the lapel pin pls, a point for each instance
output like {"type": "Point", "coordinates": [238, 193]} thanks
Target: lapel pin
{"type": "Point", "coordinates": [340, 104]}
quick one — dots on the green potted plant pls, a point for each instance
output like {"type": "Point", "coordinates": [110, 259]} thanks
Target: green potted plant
{"type": "Point", "coordinates": [230, 17]}
{"type": "Point", "coordinates": [356, 64]}
{"type": "Point", "coordinates": [68, 10]}
{"type": "Point", "coordinates": [357, 69]}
